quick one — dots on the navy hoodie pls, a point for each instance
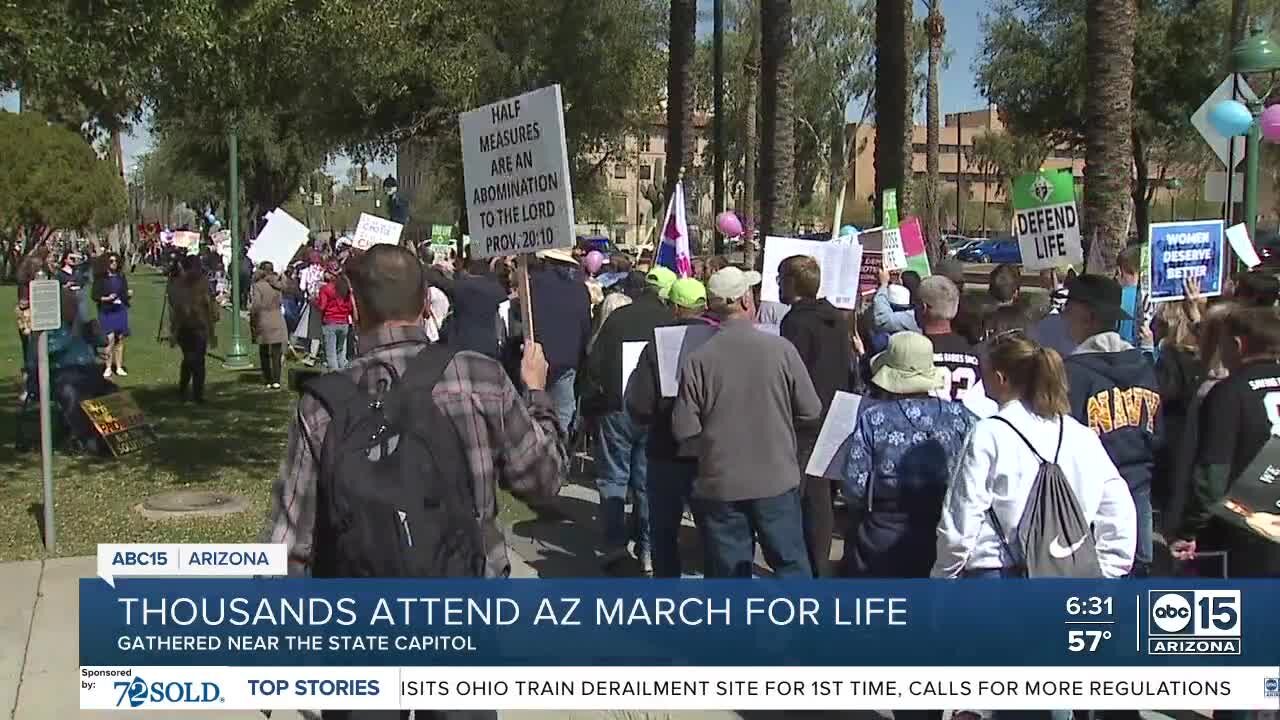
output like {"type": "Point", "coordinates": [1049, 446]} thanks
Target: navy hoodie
{"type": "Point", "coordinates": [1114, 391]}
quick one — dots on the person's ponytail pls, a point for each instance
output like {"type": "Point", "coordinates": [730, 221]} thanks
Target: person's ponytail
{"type": "Point", "coordinates": [1047, 393]}
{"type": "Point", "coordinates": [1035, 373]}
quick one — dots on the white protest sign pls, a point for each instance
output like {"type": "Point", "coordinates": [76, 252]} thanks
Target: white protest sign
{"type": "Point", "coordinates": [516, 169]}
{"type": "Point", "coordinates": [187, 240]}
{"type": "Point", "coordinates": [673, 345]}
{"type": "Point", "coordinates": [278, 242]}
{"type": "Point", "coordinates": [894, 255]}
{"type": "Point", "coordinates": [1045, 220]}
{"type": "Point", "coordinates": [631, 352]}
{"type": "Point", "coordinates": [373, 230]}
{"type": "Point", "coordinates": [46, 304]}
{"type": "Point", "coordinates": [840, 262]}
{"type": "Point", "coordinates": [1238, 236]}
{"type": "Point", "coordinates": [832, 446]}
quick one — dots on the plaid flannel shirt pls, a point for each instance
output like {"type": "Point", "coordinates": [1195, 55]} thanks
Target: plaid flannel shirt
{"type": "Point", "coordinates": [505, 440]}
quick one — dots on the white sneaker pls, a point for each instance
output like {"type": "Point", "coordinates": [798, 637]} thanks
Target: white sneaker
{"type": "Point", "coordinates": [121, 372]}
{"type": "Point", "coordinates": [106, 373]}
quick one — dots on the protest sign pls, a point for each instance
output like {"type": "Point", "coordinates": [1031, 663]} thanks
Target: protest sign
{"type": "Point", "coordinates": [1253, 500]}
{"type": "Point", "coordinates": [631, 352]}
{"type": "Point", "coordinates": [840, 264]}
{"type": "Point", "coordinates": [187, 240]}
{"type": "Point", "coordinates": [120, 422]}
{"type": "Point", "coordinates": [373, 230]}
{"type": "Point", "coordinates": [831, 449]}
{"type": "Point", "coordinates": [869, 274]}
{"type": "Point", "coordinates": [1238, 236]}
{"type": "Point", "coordinates": [45, 297]}
{"type": "Point", "coordinates": [1181, 251]}
{"type": "Point", "coordinates": [278, 242]}
{"type": "Point", "coordinates": [516, 170]}
{"type": "Point", "coordinates": [1045, 220]}
{"type": "Point", "coordinates": [894, 254]}
{"type": "Point", "coordinates": [913, 246]}
{"type": "Point", "coordinates": [442, 235]}
{"type": "Point", "coordinates": [673, 345]}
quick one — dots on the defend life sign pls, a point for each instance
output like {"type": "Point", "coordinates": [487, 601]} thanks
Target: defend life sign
{"type": "Point", "coordinates": [894, 255]}
{"type": "Point", "coordinates": [516, 168]}
{"type": "Point", "coordinates": [1045, 220]}
{"type": "Point", "coordinates": [1182, 251]}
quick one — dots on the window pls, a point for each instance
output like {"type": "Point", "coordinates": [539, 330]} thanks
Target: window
{"type": "Point", "coordinates": [644, 144]}
{"type": "Point", "coordinates": [646, 172]}
{"type": "Point", "coordinates": [920, 148]}
{"type": "Point", "coordinates": [620, 171]}
{"type": "Point", "coordinates": [620, 206]}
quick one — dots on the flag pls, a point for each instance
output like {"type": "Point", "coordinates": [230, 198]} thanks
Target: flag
{"type": "Point", "coordinates": [673, 247]}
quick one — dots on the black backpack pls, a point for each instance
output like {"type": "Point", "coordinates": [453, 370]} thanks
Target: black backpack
{"type": "Point", "coordinates": [1054, 538]}
{"type": "Point", "coordinates": [395, 496]}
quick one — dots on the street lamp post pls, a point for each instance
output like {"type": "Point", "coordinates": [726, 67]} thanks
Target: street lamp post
{"type": "Point", "coordinates": [237, 355]}
{"type": "Point", "coordinates": [1173, 185]}
{"type": "Point", "coordinates": [1256, 54]}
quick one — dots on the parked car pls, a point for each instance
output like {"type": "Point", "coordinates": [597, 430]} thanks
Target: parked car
{"type": "Point", "coordinates": [955, 250]}
{"type": "Point", "coordinates": [1003, 249]}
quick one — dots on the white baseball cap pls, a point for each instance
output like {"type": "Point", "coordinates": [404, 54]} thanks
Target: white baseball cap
{"type": "Point", "coordinates": [731, 283]}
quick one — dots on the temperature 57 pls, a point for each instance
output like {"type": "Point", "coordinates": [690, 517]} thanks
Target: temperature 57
{"type": "Point", "coordinates": [1086, 640]}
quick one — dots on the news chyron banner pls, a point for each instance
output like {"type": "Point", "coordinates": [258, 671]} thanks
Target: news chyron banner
{"type": "Point", "coordinates": [258, 642]}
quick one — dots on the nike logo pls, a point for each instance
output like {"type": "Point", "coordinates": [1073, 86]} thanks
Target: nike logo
{"type": "Point", "coordinates": [1060, 551]}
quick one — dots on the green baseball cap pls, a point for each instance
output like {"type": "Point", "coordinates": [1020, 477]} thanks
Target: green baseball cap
{"type": "Point", "coordinates": [661, 279]}
{"type": "Point", "coordinates": [688, 294]}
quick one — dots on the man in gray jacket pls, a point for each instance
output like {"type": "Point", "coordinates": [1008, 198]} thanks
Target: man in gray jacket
{"type": "Point", "coordinates": [741, 395]}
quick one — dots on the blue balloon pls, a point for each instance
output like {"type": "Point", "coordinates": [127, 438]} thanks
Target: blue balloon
{"type": "Point", "coordinates": [848, 230]}
{"type": "Point", "coordinates": [1230, 118]}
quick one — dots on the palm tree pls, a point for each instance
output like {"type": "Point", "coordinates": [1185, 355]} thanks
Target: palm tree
{"type": "Point", "coordinates": [1110, 29]}
{"type": "Point", "coordinates": [1002, 157]}
{"type": "Point", "coordinates": [936, 28]}
{"type": "Point", "coordinates": [777, 141]}
{"type": "Point", "coordinates": [680, 140]}
{"type": "Point", "coordinates": [893, 101]}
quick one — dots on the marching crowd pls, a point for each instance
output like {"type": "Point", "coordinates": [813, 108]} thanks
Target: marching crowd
{"type": "Point", "coordinates": [972, 403]}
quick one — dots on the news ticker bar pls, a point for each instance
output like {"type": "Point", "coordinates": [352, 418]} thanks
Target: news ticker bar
{"type": "Point", "coordinates": [679, 688]}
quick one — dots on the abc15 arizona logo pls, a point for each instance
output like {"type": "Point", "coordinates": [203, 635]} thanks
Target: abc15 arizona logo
{"type": "Point", "coordinates": [1193, 622]}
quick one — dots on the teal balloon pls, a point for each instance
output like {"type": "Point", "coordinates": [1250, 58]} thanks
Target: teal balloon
{"type": "Point", "coordinates": [1230, 118]}
{"type": "Point", "coordinates": [848, 230]}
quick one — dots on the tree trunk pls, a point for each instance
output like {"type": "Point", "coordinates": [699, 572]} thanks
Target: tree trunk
{"type": "Point", "coordinates": [680, 143]}
{"type": "Point", "coordinates": [1110, 29]}
{"type": "Point", "coordinates": [777, 146]}
{"type": "Point", "coordinates": [1141, 190]}
{"type": "Point", "coordinates": [749, 207]}
{"type": "Point", "coordinates": [935, 26]}
{"type": "Point", "coordinates": [893, 102]}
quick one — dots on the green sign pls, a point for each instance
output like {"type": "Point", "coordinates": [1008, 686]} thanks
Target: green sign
{"type": "Point", "coordinates": [1045, 220]}
{"type": "Point", "coordinates": [441, 234]}
{"type": "Point", "coordinates": [889, 201]}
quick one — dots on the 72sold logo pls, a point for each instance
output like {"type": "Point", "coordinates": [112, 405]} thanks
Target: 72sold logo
{"type": "Point", "coordinates": [1193, 622]}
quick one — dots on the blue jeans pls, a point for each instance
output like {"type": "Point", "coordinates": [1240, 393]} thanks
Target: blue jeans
{"type": "Point", "coordinates": [621, 465]}
{"type": "Point", "coordinates": [562, 397]}
{"type": "Point", "coordinates": [335, 345]}
{"type": "Point", "coordinates": [730, 530]}
{"type": "Point", "coordinates": [670, 487]}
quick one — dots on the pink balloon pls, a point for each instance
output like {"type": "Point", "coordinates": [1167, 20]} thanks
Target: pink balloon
{"type": "Point", "coordinates": [1270, 122]}
{"type": "Point", "coordinates": [594, 261]}
{"type": "Point", "coordinates": [729, 224]}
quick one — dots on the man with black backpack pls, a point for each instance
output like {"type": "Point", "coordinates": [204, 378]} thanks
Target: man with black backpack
{"type": "Point", "coordinates": [393, 463]}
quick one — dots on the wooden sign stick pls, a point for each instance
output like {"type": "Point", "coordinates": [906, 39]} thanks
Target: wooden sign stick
{"type": "Point", "coordinates": [522, 291]}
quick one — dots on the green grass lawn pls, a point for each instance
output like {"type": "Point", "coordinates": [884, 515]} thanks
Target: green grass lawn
{"type": "Point", "coordinates": [233, 443]}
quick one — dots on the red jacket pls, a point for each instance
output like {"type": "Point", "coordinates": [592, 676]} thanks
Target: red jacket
{"type": "Point", "coordinates": [335, 310]}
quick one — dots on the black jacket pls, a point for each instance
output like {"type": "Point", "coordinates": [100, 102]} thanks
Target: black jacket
{"type": "Point", "coordinates": [473, 324]}
{"type": "Point", "coordinates": [645, 404]}
{"type": "Point", "coordinates": [820, 333]}
{"type": "Point", "coordinates": [1117, 396]}
{"type": "Point", "coordinates": [602, 389]}
{"type": "Point", "coordinates": [561, 318]}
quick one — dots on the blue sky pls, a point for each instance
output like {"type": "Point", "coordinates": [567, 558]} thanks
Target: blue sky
{"type": "Point", "coordinates": [958, 91]}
